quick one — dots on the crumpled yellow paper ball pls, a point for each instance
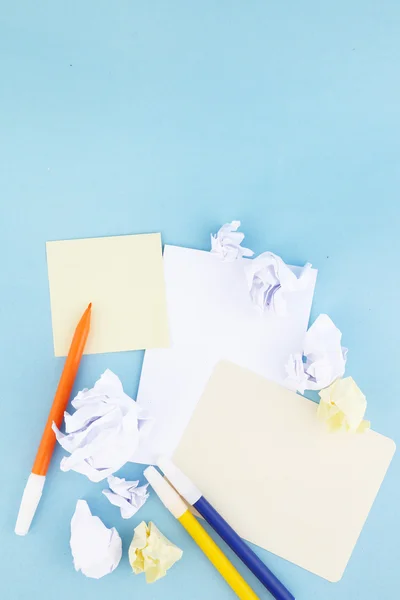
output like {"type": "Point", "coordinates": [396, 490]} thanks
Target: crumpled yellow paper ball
{"type": "Point", "coordinates": [343, 406]}
{"type": "Point", "coordinates": [151, 552]}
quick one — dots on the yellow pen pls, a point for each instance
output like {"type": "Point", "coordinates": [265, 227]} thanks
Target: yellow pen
{"type": "Point", "coordinates": [171, 500]}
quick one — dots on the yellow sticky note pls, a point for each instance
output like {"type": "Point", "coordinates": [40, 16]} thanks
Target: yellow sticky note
{"type": "Point", "coordinates": [123, 278]}
{"type": "Point", "coordinates": [151, 552]}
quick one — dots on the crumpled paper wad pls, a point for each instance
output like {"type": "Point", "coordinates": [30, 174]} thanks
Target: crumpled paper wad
{"type": "Point", "coordinates": [151, 553]}
{"type": "Point", "coordinates": [126, 495]}
{"type": "Point", "coordinates": [323, 358]}
{"type": "Point", "coordinates": [270, 280]}
{"type": "Point", "coordinates": [96, 550]}
{"type": "Point", "coordinates": [104, 431]}
{"type": "Point", "coordinates": [227, 243]}
{"type": "Point", "coordinates": [343, 406]}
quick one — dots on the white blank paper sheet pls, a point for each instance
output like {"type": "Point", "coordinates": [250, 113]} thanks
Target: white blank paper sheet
{"type": "Point", "coordinates": [307, 492]}
{"type": "Point", "coordinates": [211, 317]}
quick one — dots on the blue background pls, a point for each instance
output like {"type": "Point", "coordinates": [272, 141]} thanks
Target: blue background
{"type": "Point", "coordinates": [176, 116]}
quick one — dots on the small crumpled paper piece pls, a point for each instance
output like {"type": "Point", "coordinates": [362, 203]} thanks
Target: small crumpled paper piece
{"type": "Point", "coordinates": [343, 406]}
{"type": "Point", "coordinates": [323, 359]}
{"type": "Point", "coordinates": [150, 552]}
{"type": "Point", "coordinates": [96, 550]}
{"type": "Point", "coordinates": [104, 431]}
{"type": "Point", "coordinates": [126, 495]}
{"type": "Point", "coordinates": [226, 243]}
{"type": "Point", "coordinates": [270, 280]}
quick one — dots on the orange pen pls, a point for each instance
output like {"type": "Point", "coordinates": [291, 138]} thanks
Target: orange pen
{"type": "Point", "coordinates": [34, 487]}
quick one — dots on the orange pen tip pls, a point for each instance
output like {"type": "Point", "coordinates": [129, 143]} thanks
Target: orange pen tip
{"type": "Point", "coordinates": [89, 306]}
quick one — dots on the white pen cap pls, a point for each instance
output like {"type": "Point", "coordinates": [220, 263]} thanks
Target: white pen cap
{"type": "Point", "coordinates": [179, 480]}
{"type": "Point", "coordinates": [29, 503]}
{"type": "Point", "coordinates": [168, 496]}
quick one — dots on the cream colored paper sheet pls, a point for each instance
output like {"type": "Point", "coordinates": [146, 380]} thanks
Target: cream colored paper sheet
{"type": "Point", "coordinates": [308, 491]}
{"type": "Point", "coordinates": [123, 277]}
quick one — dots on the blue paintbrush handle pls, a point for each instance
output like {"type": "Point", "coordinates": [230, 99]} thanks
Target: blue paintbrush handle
{"type": "Point", "coordinates": [243, 551]}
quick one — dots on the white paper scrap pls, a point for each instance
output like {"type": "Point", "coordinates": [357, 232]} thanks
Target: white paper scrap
{"type": "Point", "coordinates": [270, 281]}
{"type": "Point", "coordinates": [324, 358]}
{"type": "Point", "coordinates": [126, 495]}
{"type": "Point", "coordinates": [296, 376]}
{"type": "Point", "coordinates": [105, 430]}
{"type": "Point", "coordinates": [226, 243]}
{"type": "Point", "coordinates": [96, 550]}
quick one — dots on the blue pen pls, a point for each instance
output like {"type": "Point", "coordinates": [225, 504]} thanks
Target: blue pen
{"type": "Point", "coordinates": [194, 497]}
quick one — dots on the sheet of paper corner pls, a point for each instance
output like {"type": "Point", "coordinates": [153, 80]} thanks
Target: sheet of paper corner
{"type": "Point", "coordinates": [211, 317]}
{"type": "Point", "coordinates": [123, 278]}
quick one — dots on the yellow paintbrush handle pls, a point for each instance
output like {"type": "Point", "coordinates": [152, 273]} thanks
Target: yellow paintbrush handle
{"type": "Point", "coordinates": [171, 499]}
{"type": "Point", "coordinates": [217, 557]}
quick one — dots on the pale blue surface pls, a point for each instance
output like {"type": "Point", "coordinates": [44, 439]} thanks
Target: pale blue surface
{"type": "Point", "coordinates": [127, 116]}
